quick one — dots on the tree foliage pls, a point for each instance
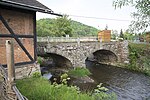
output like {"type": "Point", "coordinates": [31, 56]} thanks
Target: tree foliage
{"type": "Point", "coordinates": [141, 16]}
{"type": "Point", "coordinates": [114, 34]}
{"type": "Point", "coordinates": [80, 29]}
{"type": "Point", "coordinates": [62, 26]}
{"type": "Point", "coordinates": [45, 27]}
{"type": "Point", "coordinates": [129, 36]}
{"type": "Point", "coordinates": [121, 34]}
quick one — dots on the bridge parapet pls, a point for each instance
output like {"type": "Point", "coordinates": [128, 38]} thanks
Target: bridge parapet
{"type": "Point", "coordinates": [66, 39]}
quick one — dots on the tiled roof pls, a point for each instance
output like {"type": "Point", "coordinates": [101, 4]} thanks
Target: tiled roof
{"type": "Point", "coordinates": [32, 3]}
{"type": "Point", "coordinates": [27, 4]}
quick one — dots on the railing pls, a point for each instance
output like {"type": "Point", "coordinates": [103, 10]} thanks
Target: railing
{"type": "Point", "coordinates": [66, 39]}
{"type": "Point", "coordinates": [7, 95]}
{"type": "Point", "coordinates": [18, 94]}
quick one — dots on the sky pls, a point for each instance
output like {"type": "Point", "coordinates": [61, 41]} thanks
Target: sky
{"type": "Point", "coordinates": [96, 13]}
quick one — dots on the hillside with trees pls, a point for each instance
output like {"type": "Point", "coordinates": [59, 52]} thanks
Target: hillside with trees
{"type": "Point", "coordinates": [62, 26]}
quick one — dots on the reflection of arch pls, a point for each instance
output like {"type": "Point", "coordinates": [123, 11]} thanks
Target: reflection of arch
{"type": "Point", "coordinates": [105, 56]}
{"type": "Point", "coordinates": [58, 60]}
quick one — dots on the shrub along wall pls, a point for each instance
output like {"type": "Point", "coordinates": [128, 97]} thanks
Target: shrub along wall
{"type": "Point", "coordinates": [139, 57]}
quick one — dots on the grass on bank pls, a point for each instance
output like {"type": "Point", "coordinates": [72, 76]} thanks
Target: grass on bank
{"type": "Point", "coordinates": [41, 89]}
{"type": "Point", "coordinates": [79, 72]}
{"type": "Point", "coordinates": [139, 57]}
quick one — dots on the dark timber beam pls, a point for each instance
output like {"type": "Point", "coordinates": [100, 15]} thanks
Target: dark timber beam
{"type": "Point", "coordinates": [24, 36]}
{"type": "Point", "coordinates": [13, 36]}
{"type": "Point", "coordinates": [20, 63]}
{"type": "Point", "coordinates": [5, 35]}
{"type": "Point", "coordinates": [16, 38]}
{"type": "Point", "coordinates": [35, 36]}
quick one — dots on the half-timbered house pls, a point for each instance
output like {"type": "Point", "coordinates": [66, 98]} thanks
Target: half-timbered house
{"type": "Point", "coordinates": [18, 22]}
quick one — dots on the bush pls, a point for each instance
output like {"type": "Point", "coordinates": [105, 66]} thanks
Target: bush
{"type": "Point", "coordinates": [146, 66]}
{"type": "Point", "coordinates": [79, 72]}
{"type": "Point", "coordinates": [36, 75]}
{"type": "Point", "coordinates": [139, 57]}
{"type": "Point", "coordinates": [40, 60]}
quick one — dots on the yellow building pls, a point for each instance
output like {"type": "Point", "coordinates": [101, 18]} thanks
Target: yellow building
{"type": "Point", "coordinates": [104, 36]}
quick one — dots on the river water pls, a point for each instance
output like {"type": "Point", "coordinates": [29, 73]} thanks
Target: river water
{"type": "Point", "coordinates": [128, 85]}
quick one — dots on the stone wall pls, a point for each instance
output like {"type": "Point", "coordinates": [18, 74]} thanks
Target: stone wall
{"type": "Point", "coordinates": [26, 70]}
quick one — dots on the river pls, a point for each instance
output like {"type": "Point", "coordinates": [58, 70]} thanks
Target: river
{"type": "Point", "coordinates": [128, 85]}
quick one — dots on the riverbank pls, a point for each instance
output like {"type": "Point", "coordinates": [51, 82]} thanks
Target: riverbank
{"type": "Point", "coordinates": [139, 58]}
{"type": "Point", "coordinates": [42, 89]}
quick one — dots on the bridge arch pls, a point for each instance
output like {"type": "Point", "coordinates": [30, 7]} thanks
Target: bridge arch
{"type": "Point", "coordinates": [56, 60]}
{"type": "Point", "coordinates": [105, 56]}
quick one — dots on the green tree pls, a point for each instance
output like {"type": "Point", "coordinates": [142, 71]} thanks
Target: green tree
{"type": "Point", "coordinates": [141, 16]}
{"type": "Point", "coordinates": [62, 26]}
{"type": "Point", "coordinates": [129, 36]}
{"type": "Point", "coordinates": [80, 29]}
{"type": "Point", "coordinates": [45, 27]}
{"type": "Point", "coordinates": [121, 34]}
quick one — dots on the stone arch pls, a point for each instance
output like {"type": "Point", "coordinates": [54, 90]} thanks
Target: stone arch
{"type": "Point", "coordinates": [105, 56]}
{"type": "Point", "coordinates": [57, 60]}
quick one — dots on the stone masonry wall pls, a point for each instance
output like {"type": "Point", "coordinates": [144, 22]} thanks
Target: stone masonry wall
{"type": "Point", "coordinates": [26, 70]}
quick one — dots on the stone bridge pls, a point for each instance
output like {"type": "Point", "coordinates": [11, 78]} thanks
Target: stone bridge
{"type": "Point", "coordinates": [77, 53]}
